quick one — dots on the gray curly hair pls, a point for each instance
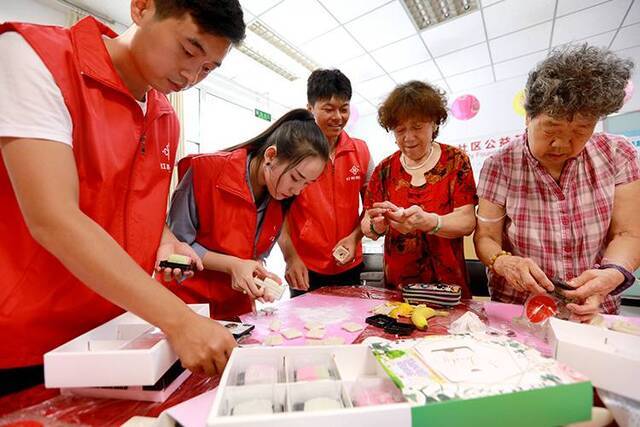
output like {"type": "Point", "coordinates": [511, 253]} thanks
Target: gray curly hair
{"type": "Point", "coordinates": [577, 79]}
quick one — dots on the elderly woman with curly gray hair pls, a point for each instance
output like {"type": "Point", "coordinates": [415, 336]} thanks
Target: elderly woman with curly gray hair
{"type": "Point", "coordinates": [560, 201]}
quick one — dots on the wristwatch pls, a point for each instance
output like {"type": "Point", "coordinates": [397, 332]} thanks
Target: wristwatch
{"type": "Point", "coordinates": [629, 278]}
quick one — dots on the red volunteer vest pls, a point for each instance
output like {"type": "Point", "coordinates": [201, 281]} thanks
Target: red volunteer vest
{"type": "Point", "coordinates": [227, 224]}
{"type": "Point", "coordinates": [124, 162]}
{"type": "Point", "coordinates": [328, 210]}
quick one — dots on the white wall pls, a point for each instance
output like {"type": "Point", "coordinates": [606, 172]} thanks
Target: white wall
{"type": "Point", "coordinates": [32, 11]}
{"type": "Point", "coordinates": [227, 114]}
{"type": "Point", "coordinates": [47, 12]}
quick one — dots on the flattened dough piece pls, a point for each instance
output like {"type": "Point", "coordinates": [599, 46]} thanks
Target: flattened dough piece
{"type": "Point", "coordinates": [275, 325]}
{"type": "Point", "coordinates": [291, 333]}
{"type": "Point", "coordinates": [315, 333]}
{"type": "Point", "coordinates": [273, 340]}
{"type": "Point", "coordinates": [352, 327]}
{"type": "Point", "coordinates": [313, 325]}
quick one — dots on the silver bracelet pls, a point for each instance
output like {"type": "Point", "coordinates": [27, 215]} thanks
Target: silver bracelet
{"type": "Point", "coordinates": [438, 226]}
{"type": "Point", "coordinates": [489, 220]}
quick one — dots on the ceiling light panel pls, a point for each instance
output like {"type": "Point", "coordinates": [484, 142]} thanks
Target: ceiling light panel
{"type": "Point", "coordinates": [274, 54]}
{"type": "Point", "coordinates": [261, 59]}
{"type": "Point", "coordinates": [427, 13]}
{"type": "Point", "coordinates": [267, 35]}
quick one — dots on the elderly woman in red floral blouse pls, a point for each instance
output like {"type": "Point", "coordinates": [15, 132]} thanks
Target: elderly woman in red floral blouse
{"type": "Point", "coordinates": [422, 197]}
{"type": "Point", "coordinates": [561, 201]}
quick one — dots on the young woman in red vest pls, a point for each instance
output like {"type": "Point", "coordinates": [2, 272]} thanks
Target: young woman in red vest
{"type": "Point", "coordinates": [230, 207]}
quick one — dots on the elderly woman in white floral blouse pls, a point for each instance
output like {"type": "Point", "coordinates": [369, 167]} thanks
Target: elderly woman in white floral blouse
{"type": "Point", "coordinates": [561, 201]}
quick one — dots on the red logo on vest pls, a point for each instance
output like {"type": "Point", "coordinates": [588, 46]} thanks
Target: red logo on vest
{"type": "Point", "coordinates": [355, 173]}
{"type": "Point", "coordinates": [166, 166]}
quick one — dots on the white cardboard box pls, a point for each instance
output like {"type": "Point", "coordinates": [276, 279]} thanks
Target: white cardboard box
{"type": "Point", "coordinates": [610, 359]}
{"type": "Point", "coordinates": [126, 351]}
{"type": "Point", "coordinates": [352, 362]}
{"type": "Point", "coordinates": [543, 393]}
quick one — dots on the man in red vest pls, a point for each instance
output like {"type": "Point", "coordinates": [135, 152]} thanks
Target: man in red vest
{"type": "Point", "coordinates": [324, 219]}
{"type": "Point", "coordinates": [87, 144]}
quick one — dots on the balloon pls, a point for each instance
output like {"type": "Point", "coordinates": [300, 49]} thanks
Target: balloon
{"type": "Point", "coordinates": [518, 103]}
{"type": "Point", "coordinates": [628, 91]}
{"type": "Point", "coordinates": [465, 107]}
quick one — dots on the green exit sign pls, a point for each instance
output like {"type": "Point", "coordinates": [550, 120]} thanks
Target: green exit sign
{"type": "Point", "coordinates": [262, 115]}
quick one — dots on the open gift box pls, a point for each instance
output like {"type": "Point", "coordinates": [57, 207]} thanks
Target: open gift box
{"type": "Point", "coordinates": [610, 359]}
{"type": "Point", "coordinates": [456, 380]}
{"type": "Point", "coordinates": [124, 358]}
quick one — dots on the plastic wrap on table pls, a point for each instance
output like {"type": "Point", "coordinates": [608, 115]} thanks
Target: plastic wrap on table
{"type": "Point", "coordinates": [64, 410]}
{"type": "Point", "coordinates": [438, 325]}
{"type": "Point", "coordinates": [339, 318]}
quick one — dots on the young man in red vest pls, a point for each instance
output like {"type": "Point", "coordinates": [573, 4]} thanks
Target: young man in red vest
{"type": "Point", "coordinates": [325, 216]}
{"type": "Point", "coordinates": [87, 143]}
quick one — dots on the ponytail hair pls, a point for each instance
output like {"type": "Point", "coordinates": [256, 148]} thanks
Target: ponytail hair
{"type": "Point", "coordinates": [295, 135]}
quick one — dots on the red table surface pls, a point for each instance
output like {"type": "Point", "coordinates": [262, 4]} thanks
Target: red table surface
{"type": "Point", "coordinates": [48, 407]}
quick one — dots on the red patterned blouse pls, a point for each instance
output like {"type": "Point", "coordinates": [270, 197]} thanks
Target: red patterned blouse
{"type": "Point", "coordinates": [418, 256]}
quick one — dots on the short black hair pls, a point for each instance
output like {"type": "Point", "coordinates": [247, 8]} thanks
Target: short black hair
{"type": "Point", "coordinates": [223, 18]}
{"type": "Point", "coordinates": [325, 84]}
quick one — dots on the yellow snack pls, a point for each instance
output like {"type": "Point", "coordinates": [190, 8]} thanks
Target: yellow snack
{"type": "Point", "coordinates": [421, 315]}
{"type": "Point", "coordinates": [179, 259]}
{"type": "Point", "coordinates": [402, 310]}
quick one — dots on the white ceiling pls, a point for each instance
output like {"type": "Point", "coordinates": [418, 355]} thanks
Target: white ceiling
{"type": "Point", "coordinates": [376, 44]}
